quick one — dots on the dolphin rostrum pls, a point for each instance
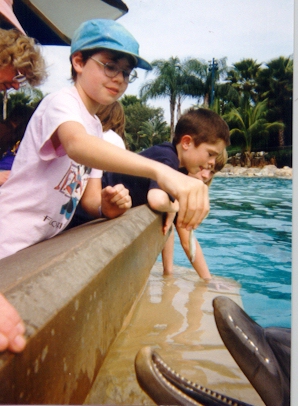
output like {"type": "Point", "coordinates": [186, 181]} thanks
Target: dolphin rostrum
{"type": "Point", "coordinates": [263, 354]}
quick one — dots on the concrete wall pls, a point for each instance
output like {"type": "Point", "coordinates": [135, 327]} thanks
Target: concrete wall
{"type": "Point", "coordinates": [74, 293]}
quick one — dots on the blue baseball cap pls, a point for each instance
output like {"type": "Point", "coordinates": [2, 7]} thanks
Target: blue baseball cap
{"type": "Point", "coordinates": [107, 34]}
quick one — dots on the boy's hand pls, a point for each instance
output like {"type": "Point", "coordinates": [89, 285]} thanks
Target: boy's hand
{"type": "Point", "coordinates": [12, 328]}
{"type": "Point", "coordinates": [168, 222]}
{"type": "Point", "coordinates": [115, 200]}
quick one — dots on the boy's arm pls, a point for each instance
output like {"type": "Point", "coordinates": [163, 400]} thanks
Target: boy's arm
{"type": "Point", "coordinates": [91, 151]}
{"type": "Point", "coordinates": [199, 264]}
{"type": "Point", "coordinates": [113, 201]}
{"type": "Point", "coordinates": [167, 254]}
{"type": "Point", "coordinates": [159, 200]}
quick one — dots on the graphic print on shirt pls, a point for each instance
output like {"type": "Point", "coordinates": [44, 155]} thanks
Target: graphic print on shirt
{"type": "Point", "coordinates": [72, 186]}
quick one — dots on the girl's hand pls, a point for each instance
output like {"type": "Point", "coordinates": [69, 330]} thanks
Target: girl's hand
{"type": "Point", "coordinates": [115, 201]}
{"type": "Point", "coordinates": [191, 193]}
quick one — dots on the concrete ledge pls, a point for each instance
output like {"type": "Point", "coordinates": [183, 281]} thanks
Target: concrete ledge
{"type": "Point", "coordinates": [74, 293]}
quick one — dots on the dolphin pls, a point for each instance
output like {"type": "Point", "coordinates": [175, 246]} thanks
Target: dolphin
{"type": "Point", "coordinates": [167, 387]}
{"type": "Point", "coordinates": [263, 354]}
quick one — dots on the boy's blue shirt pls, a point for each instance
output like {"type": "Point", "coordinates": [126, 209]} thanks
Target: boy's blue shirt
{"type": "Point", "coordinates": [6, 161]}
{"type": "Point", "coordinates": [138, 187]}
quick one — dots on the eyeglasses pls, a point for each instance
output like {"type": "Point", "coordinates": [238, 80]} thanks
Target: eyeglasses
{"type": "Point", "coordinates": [111, 70]}
{"type": "Point", "coordinates": [20, 79]}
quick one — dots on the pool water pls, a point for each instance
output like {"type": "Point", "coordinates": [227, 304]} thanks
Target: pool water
{"type": "Point", "coordinates": [248, 237]}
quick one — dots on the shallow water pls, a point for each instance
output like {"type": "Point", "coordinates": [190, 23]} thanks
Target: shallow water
{"type": "Point", "coordinates": [247, 237]}
{"type": "Point", "coordinates": [174, 316]}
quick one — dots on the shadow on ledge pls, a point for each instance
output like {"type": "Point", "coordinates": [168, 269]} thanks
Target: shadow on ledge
{"type": "Point", "coordinates": [74, 293]}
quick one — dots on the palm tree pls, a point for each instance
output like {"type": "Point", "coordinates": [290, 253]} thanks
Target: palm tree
{"type": "Point", "coordinates": [226, 98]}
{"type": "Point", "coordinates": [243, 76]}
{"type": "Point", "coordinates": [204, 78]}
{"type": "Point", "coordinates": [165, 84]}
{"type": "Point", "coordinates": [137, 113]}
{"type": "Point", "coordinates": [172, 81]}
{"type": "Point", "coordinates": [248, 122]}
{"type": "Point", "coordinates": [275, 83]}
{"type": "Point", "coordinates": [27, 97]}
{"type": "Point", "coordinates": [154, 131]}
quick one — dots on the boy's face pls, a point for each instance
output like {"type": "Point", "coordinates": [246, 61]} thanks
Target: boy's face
{"type": "Point", "coordinates": [195, 159]}
{"type": "Point", "coordinates": [96, 85]}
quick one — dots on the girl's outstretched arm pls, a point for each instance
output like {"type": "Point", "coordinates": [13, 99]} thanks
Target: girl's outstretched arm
{"type": "Point", "coordinates": [91, 151]}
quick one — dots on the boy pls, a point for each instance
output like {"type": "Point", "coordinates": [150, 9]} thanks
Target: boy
{"type": "Point", "coordinates": [200, 136]}
{"type": "Point", "coordinates": [199, 263]}
{"type": "Point", "coordinates": [199, 143]}
{"type": "Point", "coordinates": [63, 142]}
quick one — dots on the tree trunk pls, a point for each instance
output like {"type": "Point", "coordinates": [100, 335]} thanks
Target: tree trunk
{"type": "Point", "coordinates": [281, 137]}
{"type": "Point", "coordinates": [172, 115]}
{"type": "Point", "coordinates": [206, 101]}
{"type": "Point", "coordinates": [179, 108]}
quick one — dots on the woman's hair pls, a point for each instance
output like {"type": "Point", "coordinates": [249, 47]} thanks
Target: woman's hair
{"type": "Point", "coordinates": [112, 117]}
{"type": "Point", "coordinates": [23, 54]}
{"type": "Point", "coordinates": [220, 162]}
{"type": "Point", "coordinates": [202, 125]}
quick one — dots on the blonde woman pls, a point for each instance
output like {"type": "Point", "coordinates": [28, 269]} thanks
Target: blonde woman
{"type": "Point", "coordinates": [20, 61]}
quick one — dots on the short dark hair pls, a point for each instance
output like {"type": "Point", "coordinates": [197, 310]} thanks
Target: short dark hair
{"type": "Point", "coordinates": [202, 125]}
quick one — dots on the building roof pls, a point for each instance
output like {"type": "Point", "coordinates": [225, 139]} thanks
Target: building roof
{"type": "Point", "coordinates": [52, 22]}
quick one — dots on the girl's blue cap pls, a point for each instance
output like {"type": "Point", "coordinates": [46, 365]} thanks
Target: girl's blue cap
{"type": "Point", "coordinates": [107, 34]}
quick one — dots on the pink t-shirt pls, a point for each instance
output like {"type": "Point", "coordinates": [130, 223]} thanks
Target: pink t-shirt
{"type": "Point", "coordinates": [45, 185]}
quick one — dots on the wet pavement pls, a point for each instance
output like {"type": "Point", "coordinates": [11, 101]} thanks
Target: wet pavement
{"type": "Point", "coordinates": [174, 315]}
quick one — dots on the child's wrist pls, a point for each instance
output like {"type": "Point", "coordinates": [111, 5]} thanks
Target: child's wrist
{"type": "Point", "coordinates": [101, 214]}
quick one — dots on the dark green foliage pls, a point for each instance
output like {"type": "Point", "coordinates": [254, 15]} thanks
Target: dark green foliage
{"type": "Point", "coordinates": [145, 125]}
{"type": "Point", "coordinates": [27, 97]}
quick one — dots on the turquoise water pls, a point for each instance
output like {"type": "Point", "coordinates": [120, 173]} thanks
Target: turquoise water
{"type": "Point", "coordinates": [248, 237]}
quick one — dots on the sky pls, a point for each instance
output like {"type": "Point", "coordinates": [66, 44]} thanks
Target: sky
{"type": "Point", "coordinates": [235, 29]}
